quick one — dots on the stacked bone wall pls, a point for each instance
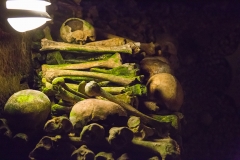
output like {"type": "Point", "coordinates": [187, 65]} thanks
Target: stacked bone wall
{"type": "Point", "coordinates": [208, 36]}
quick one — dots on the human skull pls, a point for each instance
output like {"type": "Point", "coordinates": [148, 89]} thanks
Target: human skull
{"type": "Point", "coordinates": [76, 30]}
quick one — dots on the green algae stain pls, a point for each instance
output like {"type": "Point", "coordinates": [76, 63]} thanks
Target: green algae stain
{"type": "Point", "coordinates": [25, 98]}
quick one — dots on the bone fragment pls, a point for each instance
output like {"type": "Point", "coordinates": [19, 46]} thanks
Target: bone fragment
{"type": "Point", "coordinates": [122, 80]}
{"type": "Point", "coordinates": [60, 93]}
{"type": "Point", "coordinates": [58, 109]}
{"type": "Point", "coordinates": [128, 48]}
{"type": "Point", "coordinates": [61, 82]}
{"type": "Point", "coordinates": [112, 62]}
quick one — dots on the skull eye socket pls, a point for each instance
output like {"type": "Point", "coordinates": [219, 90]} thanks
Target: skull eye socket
{"type": "Point", "coordinates": [75, 25]}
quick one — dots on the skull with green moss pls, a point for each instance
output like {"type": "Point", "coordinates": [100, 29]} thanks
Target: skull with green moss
{"type": "Point", "coordinates": [27, 110]}
{"type": "Point", "coordinates": [76, 30]}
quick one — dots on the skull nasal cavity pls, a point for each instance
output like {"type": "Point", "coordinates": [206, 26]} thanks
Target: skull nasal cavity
{"type": "Point", "coordinates": [75, 25]}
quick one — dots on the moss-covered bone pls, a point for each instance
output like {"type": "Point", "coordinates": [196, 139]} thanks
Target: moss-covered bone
{"type": "Point", "coordinates": [60, 93]}
{"type": "Point", "coordinates": [50, 74]}
{"type": "Point", "coordinates": [93, 89]}
{"type": "Point", "coordinates": [114, 61]}
{"type": "Point", "coordinates": [27, 109]}
{"type": "Point", "coordinates": [128, 48]}
{"type": "Point", "coordinates": [127, 69]}
{"type": "Point", "coordinates": [134, 90]}
{"type": "Point", "coordinates": [173, 120]}
{"type": "Point", "coordinates": [78, 79]}
{"type": "Point", "coordinates": [137, 90]}
{"type": "Point", "coordinates": [87, 58]}
{"type": "Point", "coordinates": [57, 109]}
{"type": "Point", "coordinates": [61, 82]}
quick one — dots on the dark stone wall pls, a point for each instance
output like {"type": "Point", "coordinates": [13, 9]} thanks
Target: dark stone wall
{"type": "Point", "coordinates": [15, 64]}
{"type": "Point", "coordinates": [15, 58]}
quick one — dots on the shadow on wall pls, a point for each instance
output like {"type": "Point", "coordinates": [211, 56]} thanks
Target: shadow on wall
{"type": "Point", "coordinates": [234, 88]}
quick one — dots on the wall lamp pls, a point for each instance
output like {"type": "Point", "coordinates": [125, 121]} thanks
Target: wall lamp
{"type": "Point", "coordinates": [25, 15]}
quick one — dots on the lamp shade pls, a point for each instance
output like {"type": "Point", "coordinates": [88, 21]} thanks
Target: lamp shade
{"type": "Point", "coordinates": [25, 15]}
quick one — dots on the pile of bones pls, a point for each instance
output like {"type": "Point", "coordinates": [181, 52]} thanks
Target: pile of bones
{"type": "Point", "coordinates": [108, 99]}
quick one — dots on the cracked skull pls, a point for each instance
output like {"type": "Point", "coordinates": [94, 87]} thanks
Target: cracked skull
{"type": "Point", "coordinates": [76, 30]}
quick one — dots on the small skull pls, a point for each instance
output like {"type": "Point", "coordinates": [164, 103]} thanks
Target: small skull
{"type": "Point", "coordinates": [76, 30]}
